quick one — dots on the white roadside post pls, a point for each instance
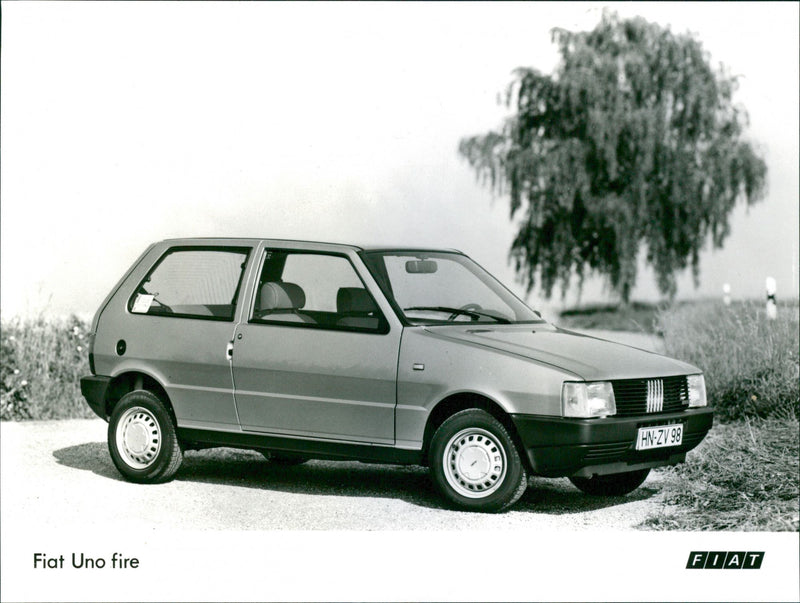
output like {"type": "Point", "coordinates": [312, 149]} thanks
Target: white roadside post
{"type": "Point", "coordinates": [726, 294]}
{"type": "Point", "coordinates": [772, 309]}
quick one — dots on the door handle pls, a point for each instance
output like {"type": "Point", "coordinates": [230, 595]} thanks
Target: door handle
{"type": "Point", "coordinates": [229, 351]}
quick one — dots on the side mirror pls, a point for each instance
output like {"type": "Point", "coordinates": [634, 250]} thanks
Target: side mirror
{"type": "Point", "coordinates": [421, 266]}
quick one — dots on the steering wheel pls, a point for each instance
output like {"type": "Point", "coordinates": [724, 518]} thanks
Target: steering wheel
{"type": "Point", "coordinates": [465, 307]}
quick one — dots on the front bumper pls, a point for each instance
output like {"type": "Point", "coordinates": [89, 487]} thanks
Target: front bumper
{"type": "Point", "coordinates": [559, 447]}
{"type": "Point", "coordinates": [93, 389]}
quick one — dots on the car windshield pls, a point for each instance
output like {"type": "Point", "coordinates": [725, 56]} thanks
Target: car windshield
{"type": "Point", "coordinates": [437, 287]}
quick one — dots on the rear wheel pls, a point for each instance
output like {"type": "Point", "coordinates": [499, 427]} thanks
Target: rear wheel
{"type": "Point", "coordinates": [142, 439]}
{"type": "Point", "coordinates": [614, 484]}
{"type": "Point", "coordinates": [475, 463]}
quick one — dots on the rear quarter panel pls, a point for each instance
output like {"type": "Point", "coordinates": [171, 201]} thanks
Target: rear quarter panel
{"type": "Point", "coordinates": [185, 355]}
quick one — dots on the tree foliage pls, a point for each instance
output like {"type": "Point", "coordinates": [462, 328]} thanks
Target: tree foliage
{"type": "Point", "coordinates": [633, 140]}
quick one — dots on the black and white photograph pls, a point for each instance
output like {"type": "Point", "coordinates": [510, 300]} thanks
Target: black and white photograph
{"type": "Point", "coordinates": [399, 301]}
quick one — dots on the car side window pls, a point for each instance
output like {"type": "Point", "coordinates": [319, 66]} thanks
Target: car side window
{"type": "Point", "coordinates": [192, 283]}
{"type": "Point", "coordinates": [315, 290]}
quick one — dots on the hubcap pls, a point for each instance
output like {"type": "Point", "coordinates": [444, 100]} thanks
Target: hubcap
{"type": "Point", "coordinates": [138, 437]}
{"type": "Point", "coordinates": [474, 463]}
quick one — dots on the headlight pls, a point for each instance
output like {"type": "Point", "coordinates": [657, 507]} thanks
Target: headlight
{"type": "Point", "coordinates": [697, 391]}
{"type": "Point", "coordinates": [588, 399]}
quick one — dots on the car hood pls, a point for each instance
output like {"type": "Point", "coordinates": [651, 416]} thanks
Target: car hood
{"type": "Point", "coordinates": [590, 358]}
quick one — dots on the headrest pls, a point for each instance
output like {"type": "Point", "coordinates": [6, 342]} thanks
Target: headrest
{"type": "Point", "coordinates": [354, 299]}
{"type": "Point", "coordinates": [281, 296]}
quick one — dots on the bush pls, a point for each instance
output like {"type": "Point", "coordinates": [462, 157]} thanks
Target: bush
{"type": "Point", "coordinates": [750, 363]}
{"type": "Point", "coordinates": [41, 365]}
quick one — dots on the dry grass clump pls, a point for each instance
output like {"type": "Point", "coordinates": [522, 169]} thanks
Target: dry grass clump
{"type": "Point", "coordinates": [41, 362]}
{"type": "Point", "coordinates": [750, 363]}
{"type": "Point", "coordinates": [744, 476]}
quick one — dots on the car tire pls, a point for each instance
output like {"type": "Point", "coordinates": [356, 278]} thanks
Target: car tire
{"type": "Point", "coordinates": [142, 439]}
{"type": "Point", "coordinates": [286, 460]}
{"type": "Point", "coordinates": [614, 484]}
{"type": "Point", "coordinates": [475, 463]}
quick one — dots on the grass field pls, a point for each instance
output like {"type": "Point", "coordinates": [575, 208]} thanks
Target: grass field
{"type": "Point", "coordinates": [750, 362]}
{"type": "Point", "coordinates": [743, 477]}
{"type": "Point", "coordinates": [637, 316]}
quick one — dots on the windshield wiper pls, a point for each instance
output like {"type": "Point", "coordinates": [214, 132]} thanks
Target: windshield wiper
{"type": "Point", "coordinates": [473, 313]}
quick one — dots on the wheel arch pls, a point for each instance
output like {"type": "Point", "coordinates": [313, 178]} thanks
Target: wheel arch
{"type": "Point", "coordinates": [459, 401]}
{"type": "Point", "coordinates": [131, 380]}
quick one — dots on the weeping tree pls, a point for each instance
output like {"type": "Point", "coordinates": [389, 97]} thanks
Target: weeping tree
{"type": "Point", "coordinates": [633, 140]}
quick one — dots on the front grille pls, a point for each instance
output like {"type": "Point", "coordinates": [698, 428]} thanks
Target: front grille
{"type": "Point", "coordinates": [650, 396]}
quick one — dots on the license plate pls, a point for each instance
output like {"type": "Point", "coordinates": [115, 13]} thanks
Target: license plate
{"type": "Point", "coordinates": [659, 437]}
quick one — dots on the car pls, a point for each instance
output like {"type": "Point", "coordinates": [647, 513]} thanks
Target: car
{"type": "Point", "coordinates": [308, 350]}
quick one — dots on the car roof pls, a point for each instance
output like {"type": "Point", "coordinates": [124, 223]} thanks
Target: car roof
{"type": "Point", "coordinates": [384, 248]}
{"type": "Point", "coordinates": [310, 244]}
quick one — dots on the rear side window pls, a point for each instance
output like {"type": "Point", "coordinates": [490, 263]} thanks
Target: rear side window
{"type": "Point", "coordinates": [192, 283]}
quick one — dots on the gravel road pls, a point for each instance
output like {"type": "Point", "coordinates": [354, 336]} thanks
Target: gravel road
{"type": "Point", "coordinates": [57, 473]}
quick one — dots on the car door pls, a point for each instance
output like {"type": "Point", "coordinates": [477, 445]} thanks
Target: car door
{"type": "Point", "coordinates": [316, 358]}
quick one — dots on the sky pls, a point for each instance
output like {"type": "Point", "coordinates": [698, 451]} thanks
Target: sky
{"type": "Point", "coordinates": [127, 123]}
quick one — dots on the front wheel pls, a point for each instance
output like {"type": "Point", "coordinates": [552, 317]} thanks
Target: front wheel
{"type": "Point", "coordinates": [614, 484]}
{"type": "Point", "coordinates": [142, 439]}
{"type": "Point", "coordinates": [475, 463]}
